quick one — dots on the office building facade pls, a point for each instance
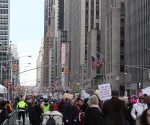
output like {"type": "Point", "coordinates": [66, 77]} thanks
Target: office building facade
{"type": "Point", "coordinates": [49, 34]}
{"type": "Point", "coordinates": [137, 52]}
{"type": "Point", "coordinates": [112, 41]}
{"type": "Point", "coordinates": [4, 38]}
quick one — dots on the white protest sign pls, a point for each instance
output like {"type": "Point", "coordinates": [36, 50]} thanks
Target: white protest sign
{"type": "Point", "coordinates": [146, 91]}
{"type": "Point", "coordinates": [82, 94]}
{"type": "Point", "coordinates": [104, 91]}
{"type": "Point", "coordinates": [86, 95]}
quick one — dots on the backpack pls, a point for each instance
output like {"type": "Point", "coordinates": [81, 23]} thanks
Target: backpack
{"type": "Point", "coordinates": [51, 121]}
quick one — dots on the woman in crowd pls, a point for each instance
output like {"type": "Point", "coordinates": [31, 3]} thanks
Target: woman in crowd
{"type": "Point", "coordinates": [145, 118]}
{"type": "Point", "coordinates": [93, 114]}
{"type": "Point", "coordinates": [138, 109]}
{"type": "Point", "coordinates": [35, 114]}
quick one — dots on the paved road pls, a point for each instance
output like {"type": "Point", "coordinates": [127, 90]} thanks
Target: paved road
{"type": "Point", "coordinates": [26, 122]}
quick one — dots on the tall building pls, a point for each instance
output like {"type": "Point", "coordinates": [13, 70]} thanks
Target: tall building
{"type": "Point", "coordinates": [74, 24]}
{"type": "Point", "coordinates": [49, 34]}
{"type": "Point", "coordinates": [39, 71]}
{"type": "Point", "coordinates": [60, 14]}
{"type": "Point", "coordinates": [92, 41]}
{"type": "Point", "coordinates": [80, 18]}
{"type": "Point", "coordinates": [4, 38]}
{"type": "Point", "coordinates": [137, 44]}
{"type": "Point", "coordinates": [112, 41]}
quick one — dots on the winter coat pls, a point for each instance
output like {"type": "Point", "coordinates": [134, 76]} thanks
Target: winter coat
{"type": "Point", "coordinates": [93, 116]}
{"type": "Point", "coordinates": [35, 115]}
{"type": "Point", "coordinates": [58, 117]}
{"type": "Point", "coordinates": [71, 115]}
{"type": "Point", "coordinates": [4, 115]}
{"type": "Point", "coordinates": [138, 109]}
{"type": "Point", "coordinates": [115, 112]}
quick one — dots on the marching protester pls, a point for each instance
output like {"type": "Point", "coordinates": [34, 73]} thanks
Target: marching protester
{"type": "Point", "coordinates": [52, 116]}
{"type": "Point", "coordinates": [9, 107]}
{"type": "Point", "coordinates": [4, 114]}
{"type": "Point", "coordinates": [21, 108]}
{"type": "Point", "coordinates": [145, 117]}
{"type": "Point", "coordinates": [115, 111]}
{"type": "Point", "coordinates": [93, 115]}
{"type": "Point", "coordinates": [35, 114]}
{"type": "Point", "coordinates": [138, 109]}
{"type": "Point", "coordinates": [46, 106]}
{"type": "Point", "coordinates": [71, 116]}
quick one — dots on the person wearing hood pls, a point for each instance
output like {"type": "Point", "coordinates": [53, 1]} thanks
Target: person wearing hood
{"type": "Point", "coordinates": [138, 109]}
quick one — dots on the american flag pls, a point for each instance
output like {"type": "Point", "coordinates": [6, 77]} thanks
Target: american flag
{"type": "Point", "coordinates": [94, 63]}
{"type": "Point", "coordinates": [100, 59]}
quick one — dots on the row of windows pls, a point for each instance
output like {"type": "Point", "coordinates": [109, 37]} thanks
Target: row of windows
{"type": "Point", "coordinates": [4, 17]}
{"type": "Point", "coordinates": [3, 37]}
{"type": "Point", "coordinates": [3, 27]}
{"type": "Point", "coordinates": [3, 11]}
{"type": "Point", "coordinates": [3, 21]}
{"type": "Point", "coordinates": [3, 5]}
{"type": "Point", "coordinates": [3, 32]}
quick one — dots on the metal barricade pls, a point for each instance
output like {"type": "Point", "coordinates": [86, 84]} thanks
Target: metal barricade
{"type": "Point", "coordinates": [11, 120]}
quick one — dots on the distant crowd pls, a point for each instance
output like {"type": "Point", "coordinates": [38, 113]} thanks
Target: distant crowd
{"type": "Point", "coordinates": [77, 111]}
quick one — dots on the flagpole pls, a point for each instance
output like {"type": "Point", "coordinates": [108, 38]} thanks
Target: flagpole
{"type": "Point", "coordinates": [100, 54]}
{"type": "Point", "coordinates": [1, 74]}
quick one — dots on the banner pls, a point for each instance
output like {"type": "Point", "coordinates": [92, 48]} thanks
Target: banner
{"type": "Point", "coordinates": [104, 91]}
{"type": "Point", "coordinates": [146, 91]}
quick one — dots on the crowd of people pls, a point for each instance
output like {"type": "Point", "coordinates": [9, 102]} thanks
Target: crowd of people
{"type": "Point", "coordinates": [77, 111]}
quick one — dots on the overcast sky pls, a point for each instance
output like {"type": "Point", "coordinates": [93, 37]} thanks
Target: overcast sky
{"type": "Point", "coordinates": [26, 30]}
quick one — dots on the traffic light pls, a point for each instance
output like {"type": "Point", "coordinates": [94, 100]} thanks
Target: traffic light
{"type": "Point", "coordinates": [14, 67]}
{"type": "Point", "coordinates": [140, 85]}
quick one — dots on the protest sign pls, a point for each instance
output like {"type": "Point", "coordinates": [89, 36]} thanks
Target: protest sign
{"type": "Point", "coordinates": [104, 91]}
{"type": "Point", "coordinates": [68, 96]}
{"type": "Point", "coordinates": [146, 91]}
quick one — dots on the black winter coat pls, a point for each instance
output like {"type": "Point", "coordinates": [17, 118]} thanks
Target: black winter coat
{"type": "Point", "coordinates": [4, 115]}
{"type": "Point", "coordinates": [93, 116]}
{"type": "Point", "coordinates": [71, 115]}
{"type": "Point", "coordinates": [115, 112]}
{"type": "Point", "coordinates": [35, 115]}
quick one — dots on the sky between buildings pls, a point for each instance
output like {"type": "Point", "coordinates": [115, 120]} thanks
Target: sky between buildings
{"type": "Point", "coordinates": [26, 30]}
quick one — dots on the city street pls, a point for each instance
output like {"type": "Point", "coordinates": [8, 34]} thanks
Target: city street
{"type": "Point", "coordinates": [74, 62]}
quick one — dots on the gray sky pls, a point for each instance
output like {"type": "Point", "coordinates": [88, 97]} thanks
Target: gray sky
{"type": "Point", "coordinates": [26, 30]}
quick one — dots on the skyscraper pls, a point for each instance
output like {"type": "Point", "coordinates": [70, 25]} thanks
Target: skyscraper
{"type": "Point", "coordinates": [112, 41]}
{"type": "Point", "coordinates": [4, 37]}
{"type": "Point", "coordinates": [49, 31]}
{"type": "Point", "coordinates": [137, 45]}
{"type": "Point", "coordinates": [81, 17]}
